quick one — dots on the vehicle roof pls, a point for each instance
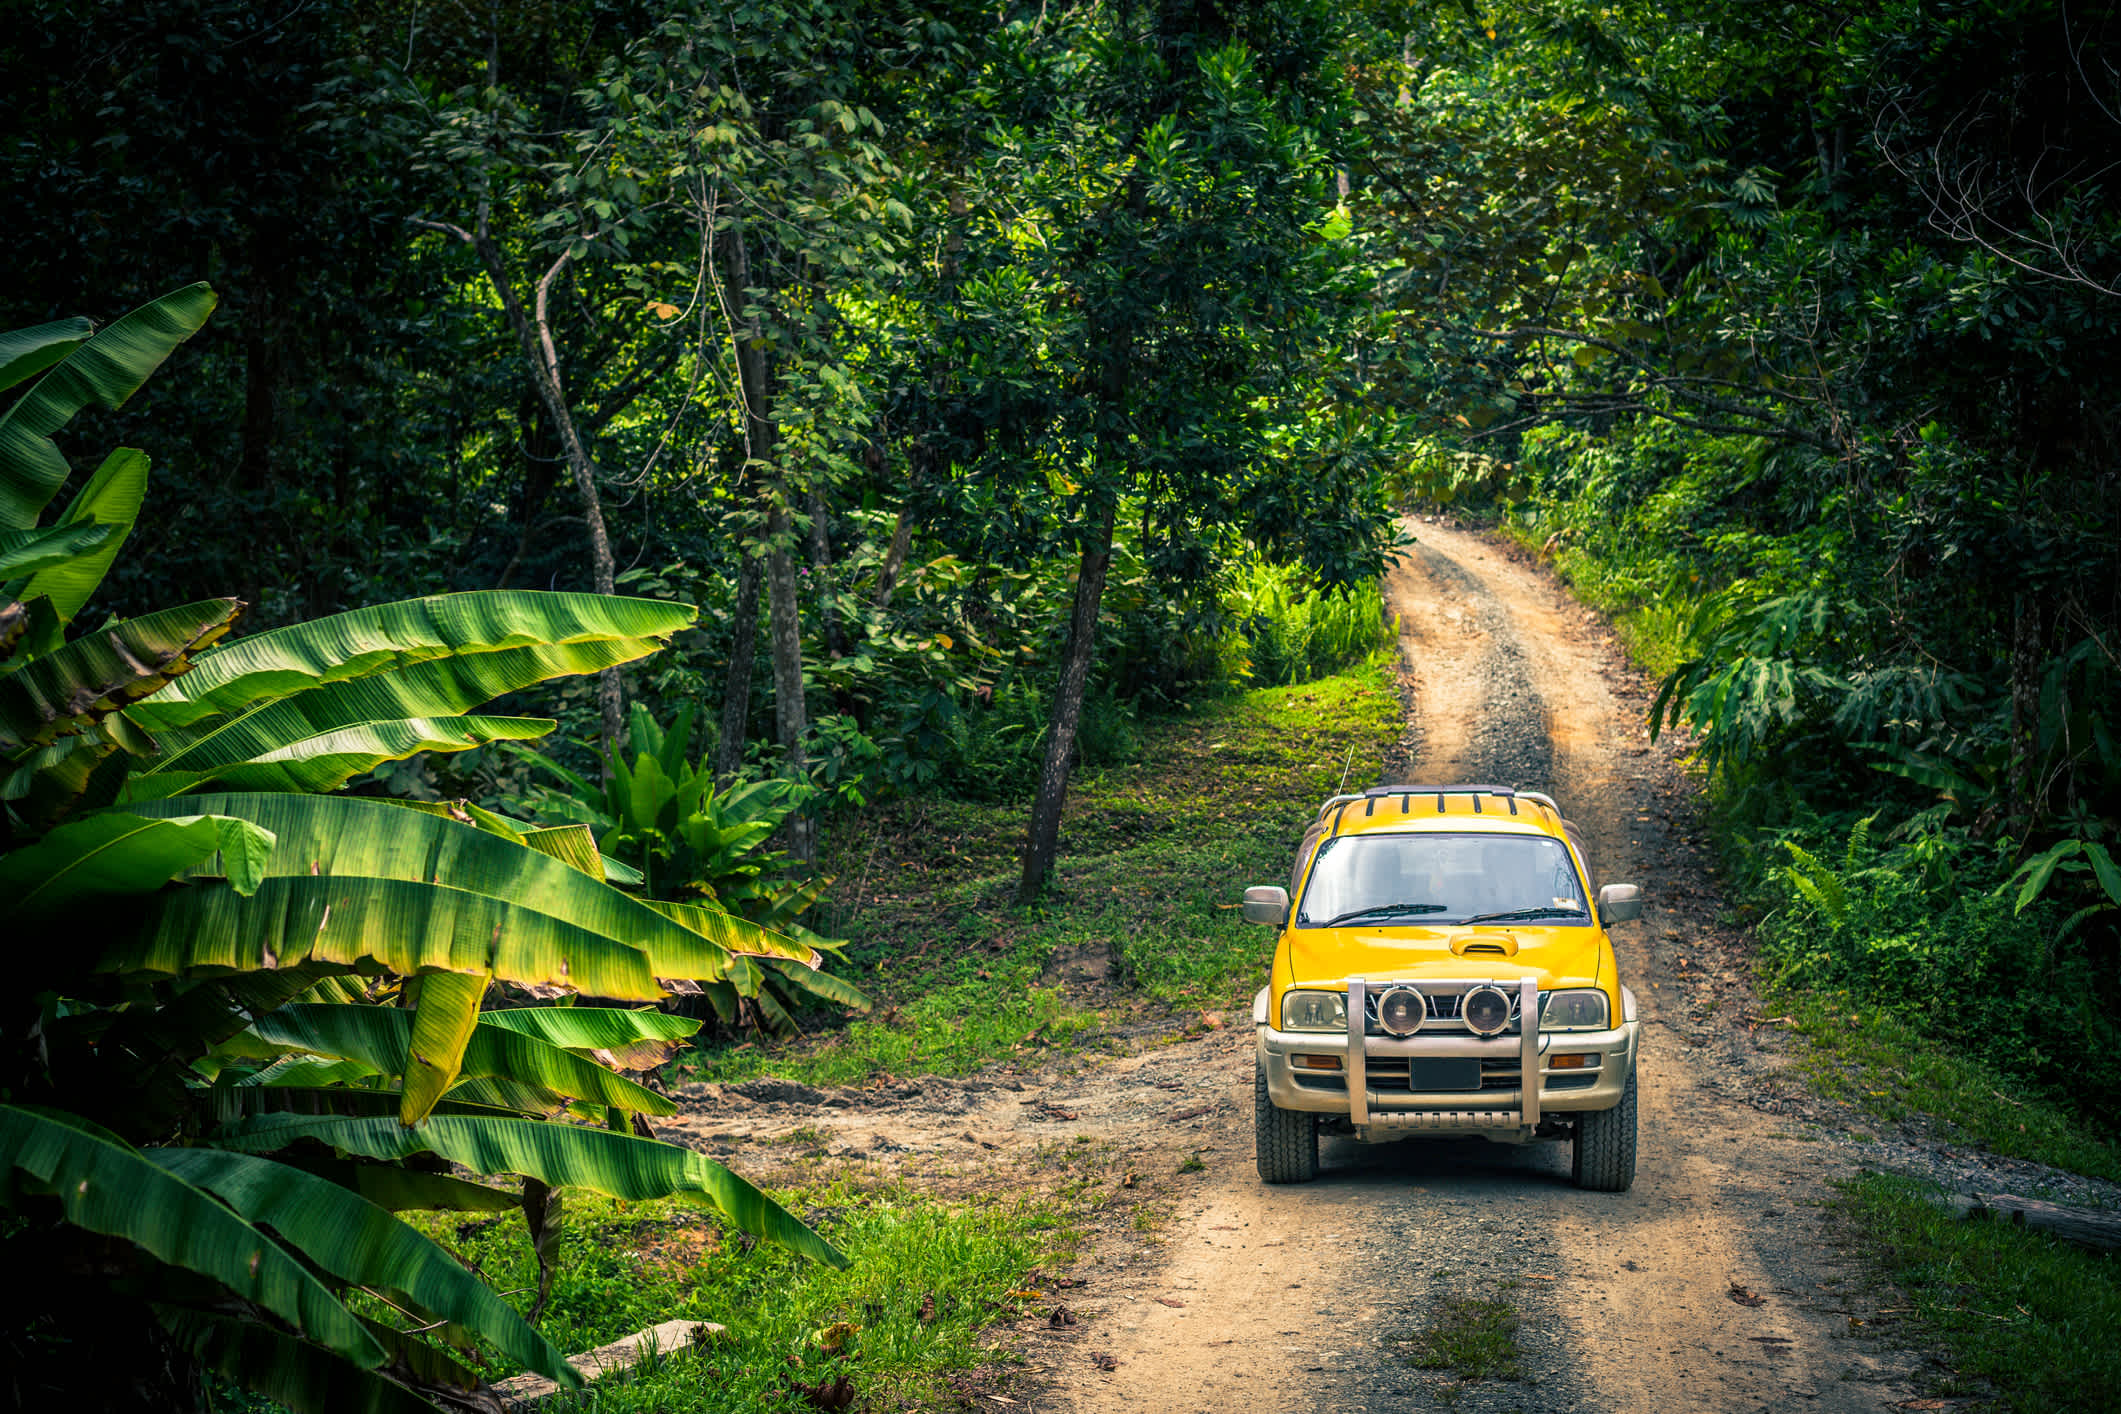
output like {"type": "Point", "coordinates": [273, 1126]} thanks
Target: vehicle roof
{"type": "Point", "coordinates": [1398, 809]}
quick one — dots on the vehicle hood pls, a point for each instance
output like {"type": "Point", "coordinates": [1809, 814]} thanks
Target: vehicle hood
{"type": "Point", "coordinates": [1552, 956]}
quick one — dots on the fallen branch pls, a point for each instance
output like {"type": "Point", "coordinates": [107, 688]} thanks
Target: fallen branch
{"type": "Point", "coordinates": [2084, 1227]}
{"type": "Point", "coordinates": [524, 1391]}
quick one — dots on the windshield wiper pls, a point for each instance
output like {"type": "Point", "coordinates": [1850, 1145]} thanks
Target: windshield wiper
{"type": "Point", "coordinates": [1544, 911]}
{"type": "Point", "coordinates": [1387, 910]}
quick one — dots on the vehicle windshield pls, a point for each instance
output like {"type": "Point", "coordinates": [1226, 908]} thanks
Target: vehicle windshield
{"type": "Point", "coordinates": [1439, 878]}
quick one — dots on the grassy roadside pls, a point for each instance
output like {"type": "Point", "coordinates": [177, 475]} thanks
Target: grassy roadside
{"type": "Point", "coordinates": [1154, 854]}
{"type": "Point", "coordinates": [1882, 1066]}
{"type": "Point", "coordinates": [903, 1326]}
{"type": "Point", "coordinates": [2024, 1320]}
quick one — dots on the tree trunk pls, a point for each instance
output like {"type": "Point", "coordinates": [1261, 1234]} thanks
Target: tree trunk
{"type": "Point", "coordinates": [1043, 841]}
{"type": "Point", "coordinates": [790, 714]}
{"type": "Point", "coordinates": [821, 566]}
{"type": "Point", "coordinates": [894, 556]}
{"type": "Point", "coordinates": [2025, 715]}
{"type": "Point", "coordinates": [736, 691]}
{"type": "Point", "coordinates": [534, 333]}
{"type": "Point", "coordinates": [783, 613]}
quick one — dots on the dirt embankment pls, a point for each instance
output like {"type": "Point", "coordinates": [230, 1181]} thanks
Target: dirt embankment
{"type": "Point", "coordinates": [1715, 1284]}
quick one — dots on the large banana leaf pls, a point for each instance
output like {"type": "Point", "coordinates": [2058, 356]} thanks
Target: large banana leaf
{"type": "Point", "coordinates": [731, 933]}
{"type": "Point", "coordinates": [362, 1244]}
{"type": "Point", "coordinates": [107, 1186]}
{"type": "Point", "coordinates": [107, 369]}
{"type": "Point", "coordinates": [635, 1040]}
{"type": "Point", "coordinates": [292, 1373]}
{"type": "Point", "coordinates": [555, 634]}
{"type": "Point", "coordinates": [114, 853]}
{"type": "Point", "coordinates": [25, 353]}
{"type": "Point", "coordinates": [407, 925]}
{"type": "Point", "coordinates": [443, 1019]}
{"type": "Point", "coordinates": [322, 761]}
{"type": "Point", "coordinates": [24, 552]}
{"type": "Point", "coordinates": [399, 1189]}
{"type": "Point", "coordinates": [338, 843]}
{"type": "Point", "coordinates": [100, 672]}
{"type": "Point", "coordinates": [382, 1037]}
{"type": "Point", "coordinates": [111, 499]}
{"type": "Point", "coordinates": [561, 1155]}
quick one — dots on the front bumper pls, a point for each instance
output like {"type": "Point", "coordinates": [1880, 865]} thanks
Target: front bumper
{"type": "Point", "coordinates": [1375, 1085]}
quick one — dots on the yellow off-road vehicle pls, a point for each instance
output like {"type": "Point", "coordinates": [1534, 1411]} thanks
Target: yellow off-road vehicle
{"type": "Point", "coordinates": [1430, 923]}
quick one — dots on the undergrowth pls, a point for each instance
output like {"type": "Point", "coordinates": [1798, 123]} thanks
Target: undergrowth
{"type": "Point", "coordinates": [900, 1325]}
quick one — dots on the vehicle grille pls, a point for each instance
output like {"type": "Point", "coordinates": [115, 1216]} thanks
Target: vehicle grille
{"type": "Point", "coordinates": [1443, 1008]}
{"type": "Point", "coordinates": [1388, 1074]}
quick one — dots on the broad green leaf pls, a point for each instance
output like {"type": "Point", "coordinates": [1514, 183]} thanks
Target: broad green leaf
{"type": "Point", "coordinates": [819, 983]}
{"type": "Point", "coordinates": [103, 854]}
{"type": "Point", "coordinates": [572, 845]}
{"type": "Point", "coordinates": [2039, 869]}
{"type": "Point", "coordinates": [322, 761]}
{"type": "Point", "coordinates": [25, 353]}
{"type": "Point", "coordinates": [553, 634]}
{"type": "Point", "coordinates": [635, 1040]}
{"type": "Point", "coordinates": [334, 842]}
{"type": "Point", "coordinates": [67, 688]}
{"type": "Point", "coordinates": [107, 369]}
{"type": "Point", "coordinates": [382, 1037]}
{"type": "Point", "coordinates": [106, 1186]}
{"type": "Point", "coordinates": [442, 1024]}
{"type": "Point", "coordinates": [112, 499]}
{"type": "Point", "coordinates": [362, 1244]}
{"type": "Point", "coordinates": [24, 552]}
{"type": "Point", "coordinates": [291, 1373]}
{"type": "Point", "coordinates": [245, 851]}
{"type": "Point", "coordinates": [401, 1189]}
{"type": "Point", "coordinates": [562, 1155]}
{"type": "Point", "coordinates": [407, 925]}
{"type": "Point", "coordinates": [730, 932]}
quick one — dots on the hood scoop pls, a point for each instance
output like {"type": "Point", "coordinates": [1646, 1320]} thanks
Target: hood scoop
{"type": "Point", "coordinates": [1485, 945]}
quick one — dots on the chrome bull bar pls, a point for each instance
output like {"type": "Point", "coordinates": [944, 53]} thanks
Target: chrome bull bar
{"type": "Point", "coordinates": [1358, 1071]}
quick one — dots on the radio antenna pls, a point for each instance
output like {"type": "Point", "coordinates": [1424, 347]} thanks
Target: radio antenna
{"type": "Point", "coordinates": [1345, 769]}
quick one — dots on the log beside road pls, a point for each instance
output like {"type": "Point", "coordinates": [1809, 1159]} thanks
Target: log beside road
{"type": "Point", "coordinates": [526, 1390]}
{"type": "Point", "coordinates": [2083, 1227]}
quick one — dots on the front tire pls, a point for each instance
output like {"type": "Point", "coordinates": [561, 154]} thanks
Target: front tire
{"type": "Point", "coordinates": [1604, 1158]}
{"type": "Point", "coordinates": [1285, 1142]}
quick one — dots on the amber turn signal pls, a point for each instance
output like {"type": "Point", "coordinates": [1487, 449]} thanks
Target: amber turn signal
{"type": "Point", "coordinates": [1566, 1062]}
{"type": "Point", "coordinates": [1315, 1062]}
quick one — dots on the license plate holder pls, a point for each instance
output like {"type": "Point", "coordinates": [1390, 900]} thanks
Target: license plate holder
{"type": "Point", "coordinates": [1428, 1074]}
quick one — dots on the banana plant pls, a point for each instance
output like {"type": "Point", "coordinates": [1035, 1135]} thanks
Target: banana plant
{"type": "Point", "coordinates": [702, 851]}
{"type": "Point", "coordinates": [252, 1016]}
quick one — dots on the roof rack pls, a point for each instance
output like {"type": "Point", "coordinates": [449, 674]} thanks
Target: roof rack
{"type": "Point", "coordinates": [1509, 794]}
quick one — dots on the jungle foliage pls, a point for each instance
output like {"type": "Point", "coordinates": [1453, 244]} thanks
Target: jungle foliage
{"type": "Point", "coordinates": [1792, 331]}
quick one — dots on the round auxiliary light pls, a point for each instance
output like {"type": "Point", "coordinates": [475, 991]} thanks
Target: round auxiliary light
{"type": "Point", "coordinates": [1401, 1011]}
{"type": "Point", "coordinates": [1486, 1011]}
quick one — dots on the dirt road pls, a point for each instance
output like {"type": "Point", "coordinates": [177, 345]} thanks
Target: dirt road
{"type": "Point", "coordinates": [1713, 1285]}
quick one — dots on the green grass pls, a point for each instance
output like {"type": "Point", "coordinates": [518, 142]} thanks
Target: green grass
{"type": "Point", "coordinates": [625, 1267]}
{"type": "Point", "coordinates": [1474, 1338]}
{"type": "Point", "coordinates": [1155, 854]}
{"type": "Point", "coordinates": [2016, 1310]}
{"type": "Point", "coordinates": [1868, 1058]}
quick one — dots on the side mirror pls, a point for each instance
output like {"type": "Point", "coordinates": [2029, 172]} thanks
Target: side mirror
{"type": "Point", "coordinates": [1619, 903]}
{"type": "Point", "coordinates": [1267, 903]}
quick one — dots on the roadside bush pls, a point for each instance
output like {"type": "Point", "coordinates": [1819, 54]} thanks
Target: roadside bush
{"type": "Point", "coordinates": [1940, 944]}
{"type": "Point", "coordinates": [1294, 634]}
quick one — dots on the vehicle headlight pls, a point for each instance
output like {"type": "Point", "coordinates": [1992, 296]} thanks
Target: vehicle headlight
{"type": "Point", "coordinates": [1486, 1011]}
{"type": "Point", "coordinates": [1584, 1010]}
{"type": "Point", "coordinates": [1314, 1011]}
